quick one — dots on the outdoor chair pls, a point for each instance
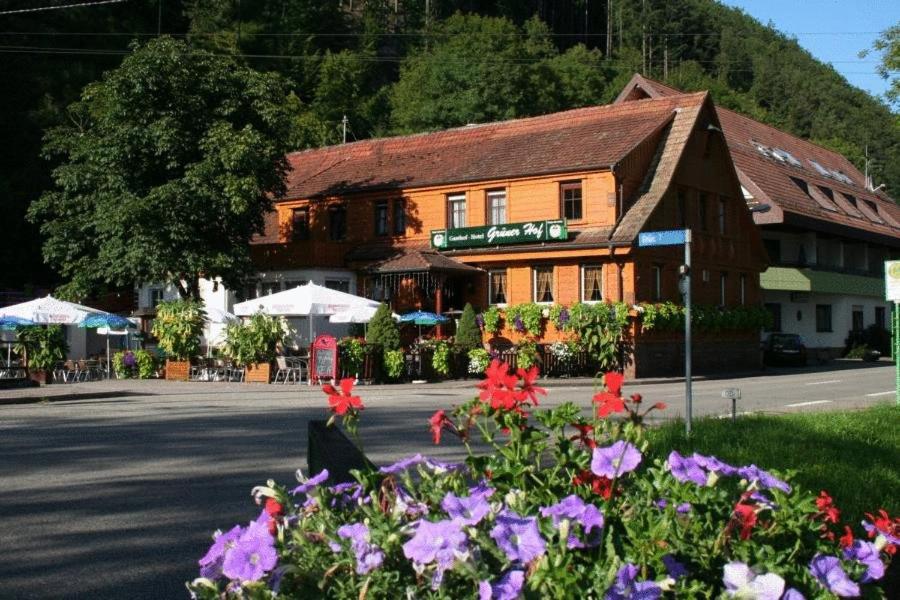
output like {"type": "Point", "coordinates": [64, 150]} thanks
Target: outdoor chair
{"type": "Point", "coordinates": [300, 366]}
{"type": "Point", "coordinates": [285, 370]}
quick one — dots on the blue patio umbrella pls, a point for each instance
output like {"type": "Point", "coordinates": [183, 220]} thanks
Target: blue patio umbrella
{"type": "Point", "coordinates": [421, 317]}
{"type": "Point", "coordinates": [109, 321]}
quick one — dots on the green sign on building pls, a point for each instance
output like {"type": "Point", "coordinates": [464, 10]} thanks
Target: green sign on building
{"type": "Point", "coordinates": [493, 235]}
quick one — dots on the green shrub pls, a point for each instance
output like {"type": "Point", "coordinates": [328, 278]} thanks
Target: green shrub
{"type": "Point", "coordinates": [440, 360]}
{"type": "Point", "coordinates": [383, 329]}
{"type": "Point", "coordinates": [468, 335]}
{"type": "Point", "coordinates": [118, 364]}
{"type": "Point", "coordinates": [479, 359]}
{"type": "Point", "coordinates": [44, 345]}
{"type": "Point", "coordinates": [352, 354]}
{"type": "Point", "coordinates": [526, 354]}
{"type": "Point", "coordinates": [254, 341]}
{"type": "Point", "coordinates": [393, 363]}
{"type": "Point", "coordinates": [492, 320]}
{"type": "Point", "coordinates": [146, 364]}
{"type": "Point", "coordinates": [178, 326]}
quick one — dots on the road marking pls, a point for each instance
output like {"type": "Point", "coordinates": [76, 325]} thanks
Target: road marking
{"type": "Point", "coordinates": [824, 382]}
{"type": "Point", "coordinates": [881, 394]}
{"type": "Point", "coordinates": [813, 403]}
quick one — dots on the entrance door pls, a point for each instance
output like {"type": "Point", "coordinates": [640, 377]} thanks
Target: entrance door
{"type": "Point", "coordinates": [857, 318]}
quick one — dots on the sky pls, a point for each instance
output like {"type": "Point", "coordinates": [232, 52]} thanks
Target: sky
{"type": "Point", "coordinates": [834, 31]}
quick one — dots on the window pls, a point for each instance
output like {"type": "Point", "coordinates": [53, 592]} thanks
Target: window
{"type": "Point", "coordinates": [775, 310]}
{"type": "Point", "coordinates": [879, 317]}
{"type": "Point", "coordinates": [496, 207]}
{"type": "Point", "coordinates": [723, 216]}
{"type": "Point", "coordinates": [743, 289]}
{"type": "Point", "coordinates": [271, 287]}
{"type": "Point", "coordinates": [456, 211]}
{"type": "Point", "coordinates": [656, 282]}
{"type": "Point", "coordinates": [591, 283]}
{"type": "Point", "coordinates": [823, 317]}
{"type": "Point", "coordinates": [543, 284]}
{"type": "Point", "coordinates": [701, 212]}
{"type": "Point", "coordinates": [399, 216]}
{"type": "Point", "coordinates": [681, 209]}
{"type": "Point", "coordinates": [340, 285]}
{"type": "Point", "coordinates": [300, 224]}
{"type": "Point", "coordinates": [497, 287]}
{"type": "Point", "coordinates": [723, 288]}
{"type": "Point", "coordinates": [570, 194]}
{"type": "Point", "coordinates": [773, 248]}
{"type": "Point", "coordinates": [156, 296]}
{"type": "Point", "coordinates": [381, 218]}
{"type": "Point", "coordinates": [856, 318]}
{"type": "Point", "coordinates": [337, 223]}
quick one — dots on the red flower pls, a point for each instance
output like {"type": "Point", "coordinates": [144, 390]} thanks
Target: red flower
{"type": "Point", "coordinates": [274, 508]}
{"type": "Point", "coordinates": [660, 406]}
{"type": "Point", "coordinates": [636, 398]}
{"type": "Point", "coordinates": [601, 486]}
{"type": "Point", "coordinates": [528, 388]}
{"type": "Point", "coordinates": [846, 539]}
{"type": "Point", "coordinates": [343, 401]}
{"type": "Point", "coordinates": [745, 517]}
{"type": "Point", "coordinates": [584, 435]}
{"type": "Point", "coordinates": [828, 511]}
{"type": "Point", "coordinates": [613, 382]}
{"type": "Point", "coordinates": [437, 422]}
{"type": "Point", "coordinates": [608, 403]}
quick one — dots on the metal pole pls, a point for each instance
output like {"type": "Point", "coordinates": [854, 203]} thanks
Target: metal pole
{"type": "Point", "coordinates": [688, 400]}
{"type": "Point", "coordinates": [896, 347]}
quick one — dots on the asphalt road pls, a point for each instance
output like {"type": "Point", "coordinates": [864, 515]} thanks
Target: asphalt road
{"type": "Point", "coordinates": [114, 493]}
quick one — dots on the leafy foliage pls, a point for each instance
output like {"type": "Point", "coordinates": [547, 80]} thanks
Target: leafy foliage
{"type": "Point", "coordinates": [492, 319]}
{"type": "Point", "coordinates": [45, 346]}
{"type": "Point", "coordinates": [168, 166]}
{"type": "Point", "coordinates": [352, 354]}
{"type": "Point", "coordinates": [145, 363]}
{"type": "Point", "coordinates": [393, 363]}
{"type": "Point", "coordinates": [479, 359]}
{"type": "Point", "coordinates": [668, 316]}
{"type": "Point", "coordinates": [529, 314]}
{"type": "Point", "coordinates": [255, 340]}
{"type": "Point", "coordinates": [468, 335]}
{"type": "Point", "coordinates": [440, 360]}
{"type": "Point", "coordinates": [383, 329]}
{"type": "Point", "coordinates": [178, 326]}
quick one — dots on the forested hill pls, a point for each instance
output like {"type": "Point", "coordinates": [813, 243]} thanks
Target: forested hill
{"type": "Point", "coordinates": [391, 67]}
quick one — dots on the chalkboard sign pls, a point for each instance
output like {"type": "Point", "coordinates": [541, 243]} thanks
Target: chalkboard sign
{"type": "Point", "coordinates": [324, 358]}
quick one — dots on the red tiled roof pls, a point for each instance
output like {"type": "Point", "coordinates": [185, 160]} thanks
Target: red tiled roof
{"type": "Point", "coordinates": [581, 139]}
{"type": "Point", "coordinates": [411, 261]}
{"type": "Point", "coordinates": [773, 178]}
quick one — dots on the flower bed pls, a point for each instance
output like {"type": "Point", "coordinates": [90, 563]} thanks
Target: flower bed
{"type": "Point", "coordinates": [561, 506]}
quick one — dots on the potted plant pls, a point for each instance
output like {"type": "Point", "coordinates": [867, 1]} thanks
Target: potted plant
{"type": "Point", "coordinates": [178, 326]}
{"type": "Point", "coordinates": [42, 347]}
{"type": "Point", "coordinates": [254, 344]}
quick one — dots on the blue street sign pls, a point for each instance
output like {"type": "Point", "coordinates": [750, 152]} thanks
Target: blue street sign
{"type": "Point", "coordinates": [671, 237]}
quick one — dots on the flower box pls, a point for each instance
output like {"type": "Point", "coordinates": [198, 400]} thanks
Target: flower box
{"type": "Point", "coordinates": [178, 370]}
{"type": "Point", "coordinates": [258, 373]}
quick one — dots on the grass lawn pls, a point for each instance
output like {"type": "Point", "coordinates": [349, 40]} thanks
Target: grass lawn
{"type": "Point", "coordinates": [854, 455]}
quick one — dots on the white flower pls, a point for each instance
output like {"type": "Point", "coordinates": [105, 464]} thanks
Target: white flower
{"type": "Point", "coordinates": [741, 582]}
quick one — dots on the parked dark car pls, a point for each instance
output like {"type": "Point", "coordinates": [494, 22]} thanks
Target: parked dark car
{"type": "Point", "coordinates": [784, 348]}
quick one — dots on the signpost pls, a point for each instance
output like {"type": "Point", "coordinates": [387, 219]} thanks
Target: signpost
{"type": "Point", "coordinates": [493, 235]}
{"type": "Point", "coordinates": [892, 294]}
{"type": "Point", "coordinates": [675, 237]}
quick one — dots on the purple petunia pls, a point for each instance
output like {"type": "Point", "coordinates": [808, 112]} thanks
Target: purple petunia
{"type": "Point", "coordinates": [613, 461]}
{"type": "Point", "coordinates": [674, 568]}
{"type": "Point", "coordinates": [874, 531]}
{"type": "Point", "coordinates": [518, 537]}
{"type": "Point", "coordinates": [408, 505]}
{"type": "Point", "coordinates": [403, 464]}
{"type": "Point", "coordinates": [661, 504]}
{"type": "Point", "coordinates": [867, 554]}
{"type": "Point", "coordinates": [575, 509]}
{"type": "Point", "coordinates": [627, 587]}
{"type": "Point", "coordinates": [685, 469]}
{"type": "Point", "coordinates": [441, 542]}
{"type": "Point", "coordinates": [466, 510]}
{"type": "Point", "coordinates": [346, 494]}
{"type": "Point", "coordinates": [711, 463]}
{"type": "Point", "coordinates": [683, 508]}
{"type": "Point", "coordinates": [563, 316]}
{"type": "Point", "coordinates": [479, 320]}
{"type": "Point", "coordinates": [306, 486]}
{"type": "Point", "coordinates": [519, 324]}
{"type": "Point", "coordinates": [211, 563]}
{"type": "Point", "coordinates": [251, 555]}
{"type": "Point", "coordinates": [792, 594]}
{"type": "Point", "coordinates": [129, 360]}
{"type": "Point", "coordinates": [508, 588]}
{"type": "Point", "coordinates": [740, 581]}
{"type": "Point", "coordinates": [763, 478]}
{"type": "Point", "coordinates": [828, 571]}
{"type": "Point", "coordinates": [368, 556]}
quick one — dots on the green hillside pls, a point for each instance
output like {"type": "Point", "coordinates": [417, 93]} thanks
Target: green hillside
{"type": "Point", "coordinates": [391, 68]}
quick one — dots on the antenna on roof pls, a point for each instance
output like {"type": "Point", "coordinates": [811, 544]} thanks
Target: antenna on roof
{"type": "Point", "coordinates": [344, 127]}
{"type": "Point", "coordinates": [868, 183]}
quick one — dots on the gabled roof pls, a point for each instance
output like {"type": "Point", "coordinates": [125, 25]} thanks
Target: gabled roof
{"type": "Point", "coordinates": [779, 180]}
{"type": "Point", "coordinates": [411, 260]}
{"type": "Point", "coordinates": [583, 139]}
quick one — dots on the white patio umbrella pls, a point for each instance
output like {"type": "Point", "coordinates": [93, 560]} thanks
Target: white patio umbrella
{"type": "Point", "coordinates": [49, 310]}
{"type": "Point", "coordinates": [308, 300]}
{"type": "Point", "coordinates": [357, 314]}
{"type": "Point", "coordinates": [215, 316]}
